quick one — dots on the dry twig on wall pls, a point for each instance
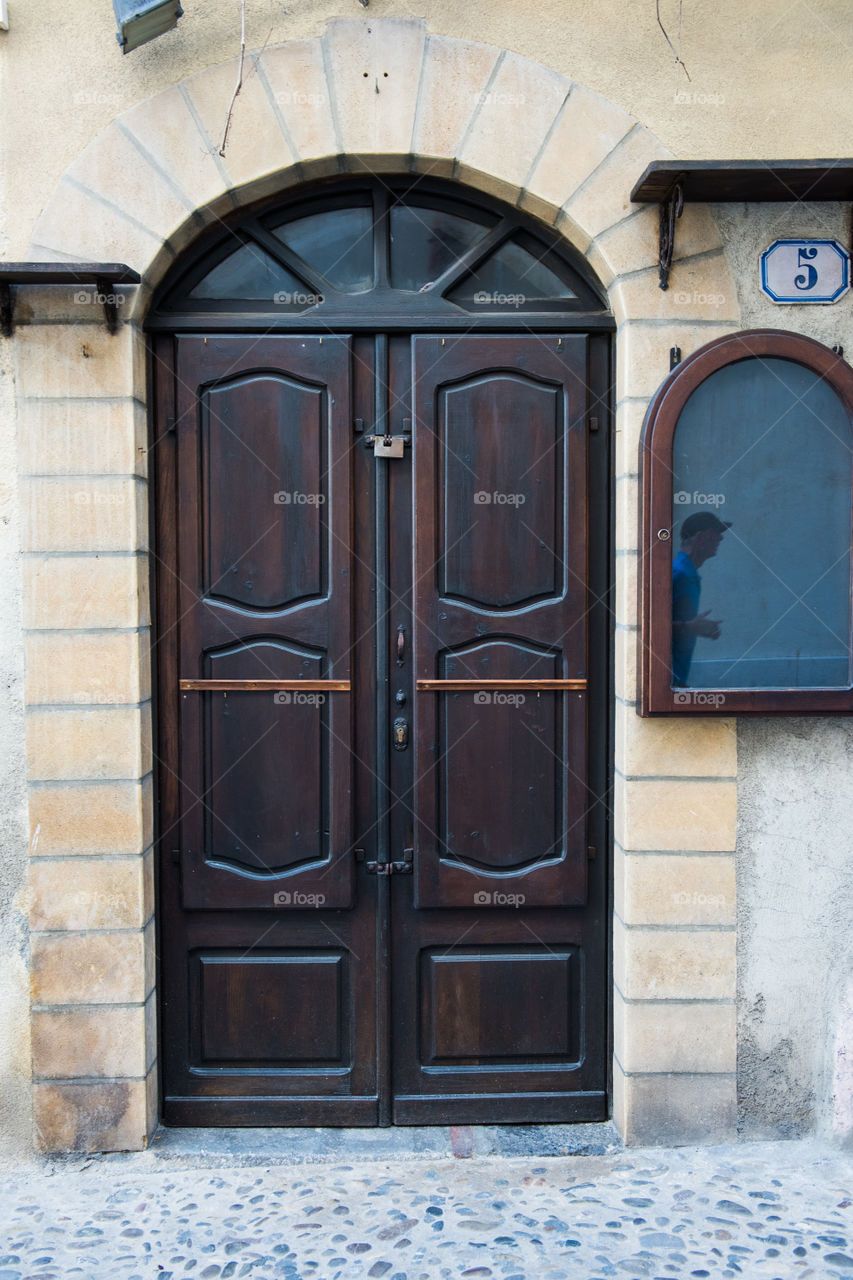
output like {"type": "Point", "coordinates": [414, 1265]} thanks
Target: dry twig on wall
{"type": "Point", "coordinates": [239, 84]}
{"type": "Point", "coordinates": [666, 36]}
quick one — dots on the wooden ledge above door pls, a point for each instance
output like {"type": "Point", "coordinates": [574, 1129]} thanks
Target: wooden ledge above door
{"type": "Point", "coordinates": [673, 183]}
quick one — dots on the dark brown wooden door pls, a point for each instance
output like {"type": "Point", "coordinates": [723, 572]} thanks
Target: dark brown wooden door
{"type": "Point", "coordinates": [382, 707]}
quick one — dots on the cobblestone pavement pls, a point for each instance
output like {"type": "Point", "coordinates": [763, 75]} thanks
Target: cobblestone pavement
{"type": "Point", "coordinates": [765, 1210]}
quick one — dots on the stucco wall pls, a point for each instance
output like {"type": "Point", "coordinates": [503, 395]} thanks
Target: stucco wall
{"type": "Point", "coordinates": [795, 805]}
{"type": "Point", "coordinates": [15, 1136]}
{"type": "Point", "coordinates": [795, 886]}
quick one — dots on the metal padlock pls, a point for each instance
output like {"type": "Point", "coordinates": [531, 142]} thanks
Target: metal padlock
{"type": "Point", "coordinates": [388, 447]}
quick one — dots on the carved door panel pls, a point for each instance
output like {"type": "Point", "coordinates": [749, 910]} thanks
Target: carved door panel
{"type": "Point", "coordinates": [264, 596]}
{"type": "Point", "coordinates": [500, 620]}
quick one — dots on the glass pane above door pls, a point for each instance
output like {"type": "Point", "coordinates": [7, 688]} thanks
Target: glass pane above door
{"type": "Point", "coordinates": [425, 242]}
{"type": "Point", "coordinates": [511, 277]}
{"type": "Point", "coordinates": [251, 275]}
{"type": "Point", "coordinates": [337, 243]}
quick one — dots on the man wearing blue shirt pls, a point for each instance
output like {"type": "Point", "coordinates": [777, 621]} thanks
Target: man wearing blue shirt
{"type": "Point", "coordinates": [701, 535]}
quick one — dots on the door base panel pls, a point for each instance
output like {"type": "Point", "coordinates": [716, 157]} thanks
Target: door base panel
{"type": "Point", "coordinates": [532, 1108]}
{"type": "Point", "coordinates": [277, 1113]}
{"type": "Point", "coordinates": [263, 1113]}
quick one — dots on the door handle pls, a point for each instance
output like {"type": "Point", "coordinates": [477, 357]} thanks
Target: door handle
{"type": "Point", "coordinates": [261, 686]}
{"type": "Point", "coordinates": [543, 686]}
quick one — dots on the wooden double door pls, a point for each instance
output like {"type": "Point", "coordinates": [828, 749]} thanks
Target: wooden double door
{"type": "Point", "coordinates": [382, 659]}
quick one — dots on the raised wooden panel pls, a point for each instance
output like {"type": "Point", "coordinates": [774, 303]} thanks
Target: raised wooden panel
{"type": "Point", "coordinates": [507, 1006]}
{"type": "Point", "coordinates": [272, 1009]}
{"type": "Point", "coordinates": [263, 466]}
{"type": "Point", "coordinates": [263, 474]}
{"type": "Point", "coordinates": [502, 801]}
{"type": "Point", "coordinates": [500, 773]}
{"type": "Point", "coordinates": [266, 761]}
{"type": "Point", "coordinates": [501, 526]}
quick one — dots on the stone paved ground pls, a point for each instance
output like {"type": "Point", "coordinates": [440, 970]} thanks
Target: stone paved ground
{"type": "Point", "coordinates": [764, 1210]}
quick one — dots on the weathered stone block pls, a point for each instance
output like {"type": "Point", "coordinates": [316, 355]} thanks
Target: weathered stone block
{"type": "Point", "coordinates": [109, 893]}
{"type": "Point", "coordinates": [85, 1042]}
{"type": "Point", "coordinates": [85, 591]}
{"type": "Point", "coordinates": [674, 890]}
{"type": "Point", "coordinates": [676, 815]}
{"type": "Point", "coordinates": [107, 742]}
{"type": "Point", "coordinates": [674, 1110]}
{"type": "Point", "coordinates": [102, 968]}
{"type": "Point", "coordinates": [664, 1036]}
{"type": "Point", "coordinates": [664, 964]}
{"type": "Point", "coordinates": [108, 1116]}
{"type": "Point", "coordinates": [114, 667]}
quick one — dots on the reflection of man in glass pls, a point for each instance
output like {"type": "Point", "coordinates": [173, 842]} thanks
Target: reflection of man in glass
{"type": "Point", "coordinates": [701, 535]}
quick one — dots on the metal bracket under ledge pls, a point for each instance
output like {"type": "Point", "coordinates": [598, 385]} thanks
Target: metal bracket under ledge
{"type": "Point", "coordinates": [103, 275]}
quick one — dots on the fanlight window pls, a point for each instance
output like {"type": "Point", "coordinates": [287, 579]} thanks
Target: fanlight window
{"type": "Point", "coordinates": [747, 467]}
{"type": "Point", "coordinates": [405, 246]}
{"type": "Point", "coordinates": [338, 244]}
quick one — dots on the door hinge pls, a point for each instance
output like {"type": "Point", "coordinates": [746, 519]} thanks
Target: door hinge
{"type": "Point", "coordinates": [593, 423]}
{"type": "Point", "coordinates": [591, 852]}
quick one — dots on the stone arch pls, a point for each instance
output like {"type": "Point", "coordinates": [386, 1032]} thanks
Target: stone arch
{"type": "Point", "coordinates": [384, 95]}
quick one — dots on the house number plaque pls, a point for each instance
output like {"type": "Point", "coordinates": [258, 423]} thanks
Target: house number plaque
{"type": "Point", "coordinates": [805, 271]}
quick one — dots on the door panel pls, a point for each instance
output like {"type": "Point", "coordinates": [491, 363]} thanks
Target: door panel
{"type": "Point", "coordinates": [261, 817]}
{"type": "Point", "coordinates": [507, 1008]}
{"type": "Point", "coordinates": [500, 596]}
{"type": "Point", "coordinates": [500, 787]}
{"type": "Point", "coordinates": [285, 1010]}
{"type": "Point", "coordinates": [263, 462]}
{"type": "Point", "coordinates": [254, 430]}
{"type": "Point", "coordinates": [268, 967]}
{"type": "Point", "coordinates": [499, 448]}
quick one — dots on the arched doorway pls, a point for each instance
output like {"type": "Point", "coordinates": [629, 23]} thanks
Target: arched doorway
{"type": "Point", "coordinates": [381, 424]}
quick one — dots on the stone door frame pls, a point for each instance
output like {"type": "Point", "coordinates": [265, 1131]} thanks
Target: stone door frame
{"type": "Point", "coordinates": [369, 96]}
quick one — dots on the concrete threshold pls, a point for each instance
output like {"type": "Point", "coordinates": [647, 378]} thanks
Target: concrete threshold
{"type": "Point", "coordinates": [229, 1147]}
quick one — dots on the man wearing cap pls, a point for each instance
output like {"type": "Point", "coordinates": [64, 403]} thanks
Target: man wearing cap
{"type": "Point", "coordinates": [701, 535]}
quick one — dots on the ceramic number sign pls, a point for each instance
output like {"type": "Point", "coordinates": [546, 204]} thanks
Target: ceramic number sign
{"type": "Point", "coordinates": [805, 271]}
